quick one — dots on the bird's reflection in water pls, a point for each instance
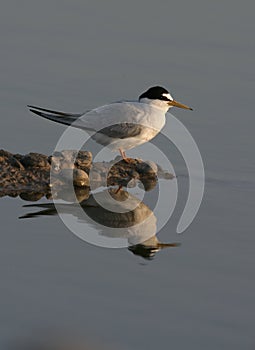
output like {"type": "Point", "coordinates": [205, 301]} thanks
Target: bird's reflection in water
{"type": "Point", "coordinates": [109, 210]}
{"type": "Point", "coordinates": [149, 248]}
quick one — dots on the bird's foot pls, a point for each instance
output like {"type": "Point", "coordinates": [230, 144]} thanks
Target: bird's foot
{"type": "Point", "coordinates": [128, 160]}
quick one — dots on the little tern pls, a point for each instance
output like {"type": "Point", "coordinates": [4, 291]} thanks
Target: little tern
{"type": "Point", "coordinates": [120, 125]}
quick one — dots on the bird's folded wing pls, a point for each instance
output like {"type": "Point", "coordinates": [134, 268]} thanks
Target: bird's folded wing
{"type": "Point", "coordinates": [122, 130]}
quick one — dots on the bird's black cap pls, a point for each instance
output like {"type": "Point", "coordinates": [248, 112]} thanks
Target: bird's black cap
{"type": "Point", "coordinates": [155, 93]}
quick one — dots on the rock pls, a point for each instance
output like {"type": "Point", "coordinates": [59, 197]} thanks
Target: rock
{"type": "Point", "coordinates": [35, 160]}
{"type": "Point", "coordinates": [55, 161]}
{"type": "Point", "coordinates": [8, 158]}
{"type": "Point", "coordinates": [69, 159]}
{"type": "Point", "coordinates": [146, 168]}
{"type": "Point", "coordinates": [30, 174]}
{"type": "Point", "coordinates": [152, 165]}
{"type": "Point", "coordinates": [69, 155]}
{"type": "Point", "coordinates": [168, 176]}
{"type": "Point", "coordinates": [83, 159]}
{"type": "Point", "coordinates": [63, 160]}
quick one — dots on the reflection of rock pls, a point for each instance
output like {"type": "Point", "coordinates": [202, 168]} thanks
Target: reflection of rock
{"type": "Point", "coordinates": [76, 176]}
{"type": "Point", "coordinates": [114, 215]}
{"type": "Point", "coordinates": [78, 195]}
{"type": "Point", "coordinates": [31, 196]}
{"type": "Point", "coordinates": [31, 173]}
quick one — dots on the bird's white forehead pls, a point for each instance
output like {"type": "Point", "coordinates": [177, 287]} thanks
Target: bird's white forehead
{"type": "Point", "coordinates": [167, 95]}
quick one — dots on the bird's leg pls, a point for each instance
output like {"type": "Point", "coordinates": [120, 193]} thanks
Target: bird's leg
{"type": "Point", "coordinates": [123, 155]}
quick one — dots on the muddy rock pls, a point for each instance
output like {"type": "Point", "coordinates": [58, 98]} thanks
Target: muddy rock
{"type": "Point", "coordinates": [35, 160]}
{"type": "Point", "coordinates": [34, 174]}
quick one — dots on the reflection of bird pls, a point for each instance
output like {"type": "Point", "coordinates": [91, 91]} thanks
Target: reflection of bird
{"type": "Point", "coordinates": [150, 247]}
{"type": "Point", "coordinates": [133, 220]}
{"type": "Point", "coordinates": [121, 125]}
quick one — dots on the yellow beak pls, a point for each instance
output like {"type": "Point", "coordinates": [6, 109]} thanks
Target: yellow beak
{"type": "Point", "coordinates": [179, 105]}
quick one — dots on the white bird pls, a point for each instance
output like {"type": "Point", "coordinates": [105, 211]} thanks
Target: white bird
{"type": "Point", "coordinates": [121, 125]}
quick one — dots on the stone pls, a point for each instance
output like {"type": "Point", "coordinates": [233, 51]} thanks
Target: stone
{"type": "Point", "coordinates": [35, 160]}
{"type": "Point", "coordinates": [83, 159]}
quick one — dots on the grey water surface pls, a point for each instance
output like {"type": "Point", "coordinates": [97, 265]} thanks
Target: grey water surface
{"type": "Point", "coordinates": [77, 55]}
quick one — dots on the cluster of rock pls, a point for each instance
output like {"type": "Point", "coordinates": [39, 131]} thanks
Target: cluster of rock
{"type": "Point", "coordinates": [34, 175]}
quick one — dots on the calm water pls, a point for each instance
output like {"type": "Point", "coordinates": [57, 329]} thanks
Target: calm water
{"type": "Point", "coordinates": [75, 56]}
